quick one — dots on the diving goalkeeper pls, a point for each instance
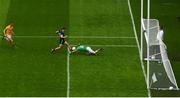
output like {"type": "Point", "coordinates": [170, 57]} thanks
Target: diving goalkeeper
{"type": "Point", "coordinates": [84, 49]}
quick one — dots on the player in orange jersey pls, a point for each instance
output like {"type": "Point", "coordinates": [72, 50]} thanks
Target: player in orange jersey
{"type": "Point", "coordinates": [8, 34]}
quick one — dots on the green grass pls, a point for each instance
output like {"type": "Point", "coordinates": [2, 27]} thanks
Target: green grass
{"type": "Point", "coordinates": [168, 17]}
{"type": "Point", "coordinates": [112, 71]}
{"type": "Point", "coordinates": [30, 69]}
{"type": "Point", "coordinates": [4, 10]}
{"type": "Point", "coordinates": [102, 76]}
{"type": "Point", "coordinates": [166, 11]}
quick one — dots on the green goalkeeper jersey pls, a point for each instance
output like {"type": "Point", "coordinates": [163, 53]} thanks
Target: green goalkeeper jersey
{"type": "Point", "coordinates": [82, 48]}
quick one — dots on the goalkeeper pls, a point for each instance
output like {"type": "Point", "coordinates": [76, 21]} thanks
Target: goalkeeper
{"type": "Point", "coordinates": [84, 49]}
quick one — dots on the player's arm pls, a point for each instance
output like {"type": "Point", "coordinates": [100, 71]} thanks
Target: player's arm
{"type": "Point", "coordinates": [4, 31]}
{"type": "Point", "coordinates": [57, 32]}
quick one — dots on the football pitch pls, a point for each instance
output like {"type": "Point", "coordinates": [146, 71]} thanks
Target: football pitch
{"type": "Point", "coordinates": [31, 70]}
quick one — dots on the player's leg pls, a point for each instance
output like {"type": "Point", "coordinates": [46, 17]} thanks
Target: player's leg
{"type": "Point", "coordinates": [10, 40]}
{"type": "Point", "coordinates": [61, 43]}
{"type": "Point", "coordinates": [57, 48]}
{"type": "Point", "coordinates": [12, 43]}
{"type": "Point", "coordinates": [90, 51]}
{"type": "Point", "coordinates": [69, 47]}
{"type": "Point", "coordinates": [98, 50]}
{"type": "Point", "coordinates": [9, 37]}
{"type": "Point", "coordinates": [5, 37]}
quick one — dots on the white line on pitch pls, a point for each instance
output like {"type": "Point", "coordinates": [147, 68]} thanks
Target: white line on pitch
{"type": "Point", "coordinates": [68, 75]}
{"type": "Point", "coordinates": [138, 45]}
{"type": "Point", "coordinates": [110, 37]}
{"type": "Point", "coordinates": [76, 37]}
{"type": "Point", "coordinates": [128, 46]}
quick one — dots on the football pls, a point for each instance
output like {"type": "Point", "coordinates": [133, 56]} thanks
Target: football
{"type": "Point", "coordinates": [170, 88]}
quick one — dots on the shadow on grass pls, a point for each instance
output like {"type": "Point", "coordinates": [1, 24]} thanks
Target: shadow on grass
{"type": "Point", "coordinates": [165, 93]}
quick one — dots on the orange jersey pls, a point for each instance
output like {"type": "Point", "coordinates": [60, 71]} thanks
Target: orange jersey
{"type": "Point", "coordinates": [8, 30]}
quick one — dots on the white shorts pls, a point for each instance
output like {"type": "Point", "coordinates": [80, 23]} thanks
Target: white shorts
{"type": "Point", "coordinates": [8, 37]}
{"type": "Point", "coordinates": [90, 50]}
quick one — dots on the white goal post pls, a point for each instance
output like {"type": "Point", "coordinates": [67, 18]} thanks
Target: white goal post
{"type": "Point", "coordinates": [159, 73]}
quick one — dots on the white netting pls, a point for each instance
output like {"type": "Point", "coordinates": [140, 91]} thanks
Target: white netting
{"type": "Point", "coordinates": [160, 70]}
{"type": "Point", "coordinates": [167, 64]}
{"type": "Point", "coordinates": [153, 31]}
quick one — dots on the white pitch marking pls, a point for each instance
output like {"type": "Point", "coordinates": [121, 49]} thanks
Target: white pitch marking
{"type": "Point", "coordinates": [76, 37]}
{"type": "Point", "coordinates": [68, 74]}
{"type": "Point", "coordinates": [102, 37]}
{"type": "Point", "coordinates": [138, 45]}
{"type": "Point", "coordinates": [125, 46]}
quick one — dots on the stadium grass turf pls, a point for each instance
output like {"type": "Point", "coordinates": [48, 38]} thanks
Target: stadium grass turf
{"type": "Point", "coordinates": [166, 11]}
{"type": "Point", "coordinates": [3, 10]}
{"type": "Point", "coordinates": [30, 70]}
{"type": "Point", "coordinates": [114, 71]}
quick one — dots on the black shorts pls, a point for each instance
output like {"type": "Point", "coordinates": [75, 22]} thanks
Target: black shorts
{"type": "Point", "coordinates": [61, 41]}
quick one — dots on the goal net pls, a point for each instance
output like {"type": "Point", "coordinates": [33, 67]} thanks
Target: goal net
{"type": "Point", "coordinates": [160, 76]}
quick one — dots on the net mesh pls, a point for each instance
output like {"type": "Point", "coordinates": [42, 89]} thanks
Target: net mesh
{"type": "Point", "coordinates": [160, 70]}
